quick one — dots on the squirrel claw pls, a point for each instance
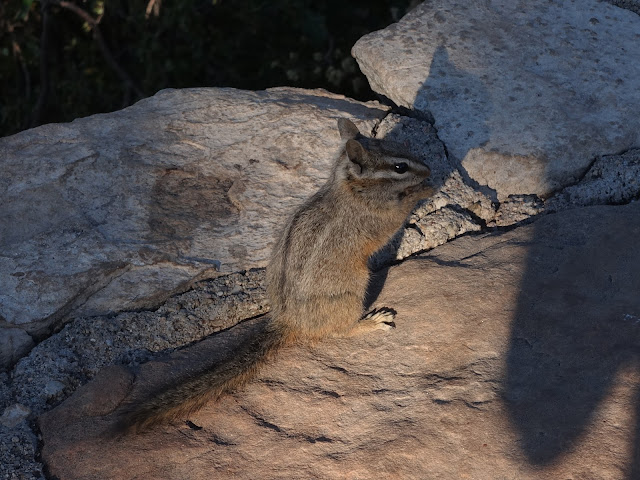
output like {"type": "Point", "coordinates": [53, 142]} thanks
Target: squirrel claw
{"type": "Point", "coordinates": [381, 318]}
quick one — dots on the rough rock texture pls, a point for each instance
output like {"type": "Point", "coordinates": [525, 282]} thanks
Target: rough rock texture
{"type": "Point", "coordinates": [18, 452]}
{"type": "Point", "coordinates": [633, 5]}
{"type": "Point", "coordinates": [447, 214]}
{"type": "Point", "coordinates": [613, 179]}
{"type": "Point", "coordinates": [524, 94]}
{"type": "Point", "coordinates": [14, 344]}
{"type": "Point", "coordinates": [114, 219]}
{"type": "Point", "coordinates": [114, 212]}
{"type": "Point", "coordinates": [48, 170]}
{"type": "Point", "coordinates": [515, 356]}
{"type": "Point", "coordinates": [68, 359]}
{"type": "Point", "coordinates": [13, 415]}
{"type": "Point", "coordinates": [202, 201]}
{"type": "Point", "coordinates": [58, 365]}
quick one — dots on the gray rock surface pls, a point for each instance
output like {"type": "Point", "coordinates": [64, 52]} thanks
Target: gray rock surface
{"type": "Point", "coordinates": [82, 348]}
{"type": "Point", "coordinates": [633, 5]}
{"type": "Point", "coordinates": [115, 212]}
{"type": "Point", "coordinates": [14, 344]}
{"type": "Point", "coordinates": [19, 450]}
{"type": "Point", "coordinates": [515, 355]}
{"type": "Point", "coordinates": [61, 363]}
{"type": "Point", "coordinates": [58, 365]}
{"type": "Point", "coordinates": [524, 95]}
{"type": "Point", "coordinates": [613, 179]}
{"type": "Point", "coordinates": [13, 415]}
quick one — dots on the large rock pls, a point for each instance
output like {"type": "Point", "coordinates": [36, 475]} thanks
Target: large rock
{"type": "Point", "coordinates": [115, 212]}
{"type": "Point", "coordinates": [84, 346]}
{"type": "Point", "coordinates": [524, 94]}
{"type": "Point", "coordinates": [515, 356]}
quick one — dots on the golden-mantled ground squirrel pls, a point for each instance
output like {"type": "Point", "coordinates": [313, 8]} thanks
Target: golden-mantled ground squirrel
{"type": "Point", "coordinates": [318, 274]}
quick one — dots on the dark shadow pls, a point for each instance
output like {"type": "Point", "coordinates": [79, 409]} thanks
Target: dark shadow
{"type": "Point", "coordinates": [577, 324]}
{"type": "Point", "coordinates": [469, 108]}
{"type": "Point", "coordinates": [171, 368]}
{"type": "Point", "coordinates": [426, 145]}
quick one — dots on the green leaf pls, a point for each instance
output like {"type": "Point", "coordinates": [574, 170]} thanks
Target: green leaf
{"type": "Point", "coordinates": [23, 13]}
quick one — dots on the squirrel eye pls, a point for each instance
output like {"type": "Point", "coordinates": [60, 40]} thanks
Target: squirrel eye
{"type": "Point", "coordinates": [401, 167]}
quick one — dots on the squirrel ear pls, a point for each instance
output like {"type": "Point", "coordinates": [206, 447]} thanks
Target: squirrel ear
{"type": "Point", "coordinates": [347, 129]}
{"type": "Point", "coordinates": [356, 153]}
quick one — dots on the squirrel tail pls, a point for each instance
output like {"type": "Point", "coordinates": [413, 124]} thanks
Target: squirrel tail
{"type": "Point", "coordinates": [189, 396]}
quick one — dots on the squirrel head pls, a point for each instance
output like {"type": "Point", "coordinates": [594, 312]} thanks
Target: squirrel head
{"type": "Point", "coordinates": [379, 170]}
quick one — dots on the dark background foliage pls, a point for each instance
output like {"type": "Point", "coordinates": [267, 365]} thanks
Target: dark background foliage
{"type": "Point", "coordinates": [60, 60]}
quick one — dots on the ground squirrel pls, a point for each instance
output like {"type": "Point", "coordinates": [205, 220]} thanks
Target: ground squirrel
{"type": "Point", "coordinates": [318, 274]}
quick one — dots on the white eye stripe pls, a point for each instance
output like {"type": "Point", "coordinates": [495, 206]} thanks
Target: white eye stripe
{"type": "Point", "coordinates": [394, 160]}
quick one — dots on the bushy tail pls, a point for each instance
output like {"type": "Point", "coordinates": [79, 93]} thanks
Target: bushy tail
{"type": "Point", "coordinates": [191, 395]}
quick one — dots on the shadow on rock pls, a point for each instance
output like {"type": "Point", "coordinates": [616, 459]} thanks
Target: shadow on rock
{"type": "Point", "coordinates": [576, 329]}
{"type": "Point", "coordinates": [422, 144]}
{"type": "Point", "coordinates": [577, 326]}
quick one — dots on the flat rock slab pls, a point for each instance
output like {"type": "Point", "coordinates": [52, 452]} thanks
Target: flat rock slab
{"type": "Point", "coordinates": [524, 94]}
{"type": "Point", "coordinates": [515, 356]}
{"type": "Point", "coordinates": [115, 212]}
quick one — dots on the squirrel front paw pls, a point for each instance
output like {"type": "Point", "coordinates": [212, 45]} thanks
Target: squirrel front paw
{"type": "Point", "coordinates": [380, 319]}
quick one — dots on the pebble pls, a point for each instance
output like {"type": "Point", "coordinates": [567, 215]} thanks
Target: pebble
{"type": "Point", "coordinates": [13, 415]}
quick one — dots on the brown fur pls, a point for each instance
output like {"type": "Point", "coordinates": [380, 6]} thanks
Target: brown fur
{"type": "Point", "coordinates": [318, 274]}
{"type": "Point", "coordinates": [191, 395]}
